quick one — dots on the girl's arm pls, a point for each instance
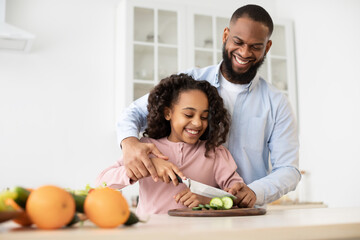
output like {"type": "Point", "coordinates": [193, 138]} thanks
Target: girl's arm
{"type": "Point", "coordinates": [229, 180]}
{"type": "Point", "coordinates": [114, 176]}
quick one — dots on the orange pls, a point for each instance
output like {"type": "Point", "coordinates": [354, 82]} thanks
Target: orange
{"type": "Point", "coordinates": [106, 207]}
{"type": "Point", "coordinates": [50, 207]}
{"type": "Point", "coordinates": [23, 219]}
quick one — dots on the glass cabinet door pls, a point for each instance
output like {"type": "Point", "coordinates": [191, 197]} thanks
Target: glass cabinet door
{"type": "Point", "coordinates": [203, 40]}
{"type": "Point", "coordinates": [274, 68]}
{"type": "Point", "coordinates": [278, 59]}
{"type": "Point", "coordinates": [168, 44]}
{"type": "Point", "coordinates": [208, 31]}
{"type": "Point", "coordinates": [221, 24]}
{"type": "Point", "coordinates": [155, 47]}
{"type": "Point", "coordinates": [279, 65]}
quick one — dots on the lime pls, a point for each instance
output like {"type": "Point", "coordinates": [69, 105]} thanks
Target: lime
{"type": "Point", "coordinates": [227, 202]}
{"type": "Point", "coordinates": [5, 195]}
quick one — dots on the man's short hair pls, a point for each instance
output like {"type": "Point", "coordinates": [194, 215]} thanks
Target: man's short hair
{"type": "Point", "coordinates": [256, 13]}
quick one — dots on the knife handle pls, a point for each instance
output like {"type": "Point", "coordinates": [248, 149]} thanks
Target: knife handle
{"type": "Point", "coordinates": [178, 178]}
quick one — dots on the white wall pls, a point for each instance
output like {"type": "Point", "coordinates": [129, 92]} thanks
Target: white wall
{"type": "Point", "coordinates": [57, 123]}
{"type": "Point", "coordinates": [327, 37]}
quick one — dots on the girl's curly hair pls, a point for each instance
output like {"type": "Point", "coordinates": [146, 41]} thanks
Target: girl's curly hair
{"type": "Point", "coordinates": [167, 92]}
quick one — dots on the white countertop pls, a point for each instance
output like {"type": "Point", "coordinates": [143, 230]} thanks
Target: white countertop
{"type": "Point", "coordinates": [313, 223]}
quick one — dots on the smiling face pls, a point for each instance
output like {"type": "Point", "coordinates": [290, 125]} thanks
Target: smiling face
{"type": "Point", "coordinates": [188, 116]}
{"type": "Point", "coordinates": [245, 46]}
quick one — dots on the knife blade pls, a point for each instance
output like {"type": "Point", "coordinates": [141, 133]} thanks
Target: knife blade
{"type": "Point", "coordinates": [203, 189]}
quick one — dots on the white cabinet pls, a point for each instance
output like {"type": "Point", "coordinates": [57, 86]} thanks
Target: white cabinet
{"type": "Point", "coordinates": [150, 47]}
{"type": "Point", "coordinates": [156, 39]}
{"type": "Point", "coordinates": [279, 65]}
{"type": "Point", "coordinates": [206, 27]}
{"type": "Point", "coordinates": [154, 57]}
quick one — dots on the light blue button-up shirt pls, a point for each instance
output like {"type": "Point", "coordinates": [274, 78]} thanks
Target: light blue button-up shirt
{"type": "Point", "coordinates": [262, 125]}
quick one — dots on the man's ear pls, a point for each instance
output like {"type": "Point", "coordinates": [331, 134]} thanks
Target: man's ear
{"type": "Point", "coordinates": [268, 46]}
{"type": "Point", "coordinates": [225, 35]}
{"type": "Point", "coordinates": [167, 113]}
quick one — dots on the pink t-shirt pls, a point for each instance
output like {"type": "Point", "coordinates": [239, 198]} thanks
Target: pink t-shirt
{"type": "Point", "coordinates": [218, 170]}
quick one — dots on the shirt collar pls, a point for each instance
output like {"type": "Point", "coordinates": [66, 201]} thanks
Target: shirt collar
{"type": "Point", "coordinates": [250, 87]}
{"type": "Point", "coordinates": [217, 75]}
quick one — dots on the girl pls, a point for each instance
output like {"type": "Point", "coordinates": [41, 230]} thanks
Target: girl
{"type": "Point", "coordinates": [188, 123]}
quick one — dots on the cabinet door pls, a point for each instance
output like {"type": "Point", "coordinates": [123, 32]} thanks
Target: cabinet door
{"type": "Point", "coordinates": [206, 28]}
{"type": "Point", "coordinates": [149, 46]}
{"type": "Point", "coordinates": [156, 48]}
{"type": "Point", "coordinates": [279, 66]}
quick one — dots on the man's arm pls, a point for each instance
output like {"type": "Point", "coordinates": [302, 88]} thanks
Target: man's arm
{"type": "Point", "coordinates": [135, 153]}
{"type": "Point", "coordinates": [132, 120]}
{"type": "Point", "coordinates": [284, 156]}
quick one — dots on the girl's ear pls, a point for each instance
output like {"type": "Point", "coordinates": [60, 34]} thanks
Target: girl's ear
{"type": "Point", "coordinates": [167, 113]}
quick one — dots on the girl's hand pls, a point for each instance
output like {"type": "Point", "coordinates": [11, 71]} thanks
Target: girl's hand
{"type": "Point", "coordinates": [166, 171]}
{"type": "Point", "coordinates": [245, 196]}
{"type": "Point", "coordinates": [189, 199]}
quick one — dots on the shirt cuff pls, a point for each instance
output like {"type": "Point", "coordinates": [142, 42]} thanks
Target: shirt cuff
{"type": "Point", "coordinates": [258, 189]}
{"type": "Point", "coordinates": [122, 136]}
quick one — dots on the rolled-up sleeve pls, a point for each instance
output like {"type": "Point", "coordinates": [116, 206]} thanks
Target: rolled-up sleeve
{"type": "Point", "coordinates": [133, 119]}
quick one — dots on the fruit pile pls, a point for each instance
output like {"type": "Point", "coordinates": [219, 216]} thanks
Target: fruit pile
{"type": "Point", "coordinates": [52, 207]}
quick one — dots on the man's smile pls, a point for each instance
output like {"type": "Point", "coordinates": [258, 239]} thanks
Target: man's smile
{"type": "Point", "coordinates": [240, 61]}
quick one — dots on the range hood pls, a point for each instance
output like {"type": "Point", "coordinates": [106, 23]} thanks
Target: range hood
{"type": "Point", "coordinates": [13, 38]}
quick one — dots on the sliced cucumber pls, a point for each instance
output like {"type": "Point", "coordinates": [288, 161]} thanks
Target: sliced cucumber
{"type": "Point", "coordinates": [214, 207]}
{"type": "Point", "coordinates": [196, 208]}
{"type": "Point", "coordinates": [227, 202]}
{"type": "Point", "coordinates": [216, 202]}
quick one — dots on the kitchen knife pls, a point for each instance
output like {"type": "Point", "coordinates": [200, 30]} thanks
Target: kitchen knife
{"type": "Point", "coordinates": [203, 189]}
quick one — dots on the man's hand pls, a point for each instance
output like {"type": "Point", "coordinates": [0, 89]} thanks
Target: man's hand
{"type": "Point", "coordinates": [245, 196]}
{"type": "Point", "coordinates": [189, 199]}
{"type": "Point", "coordinates": [136, 158]}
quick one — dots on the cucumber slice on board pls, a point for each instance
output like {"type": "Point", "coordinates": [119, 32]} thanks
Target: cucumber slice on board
{"type": "Point", "coordinates": [207, 206]}
{"type": "Point", "coordinates": [196, 208]}
{"type": "Point", "coordinates": [216, 202]}
{"type": "Point", "coordinates": [227, 202]}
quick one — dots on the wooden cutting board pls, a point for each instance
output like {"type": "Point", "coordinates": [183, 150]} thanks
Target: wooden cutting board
{"type": "Point", "coordinates": [188, 212]}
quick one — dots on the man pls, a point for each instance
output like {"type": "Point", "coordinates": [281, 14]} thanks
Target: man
{"type": "Point", "coordinates": [262, 124]}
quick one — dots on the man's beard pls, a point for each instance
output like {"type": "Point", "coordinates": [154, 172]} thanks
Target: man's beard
{"type": "Point", "coordinates": [239, 78]}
